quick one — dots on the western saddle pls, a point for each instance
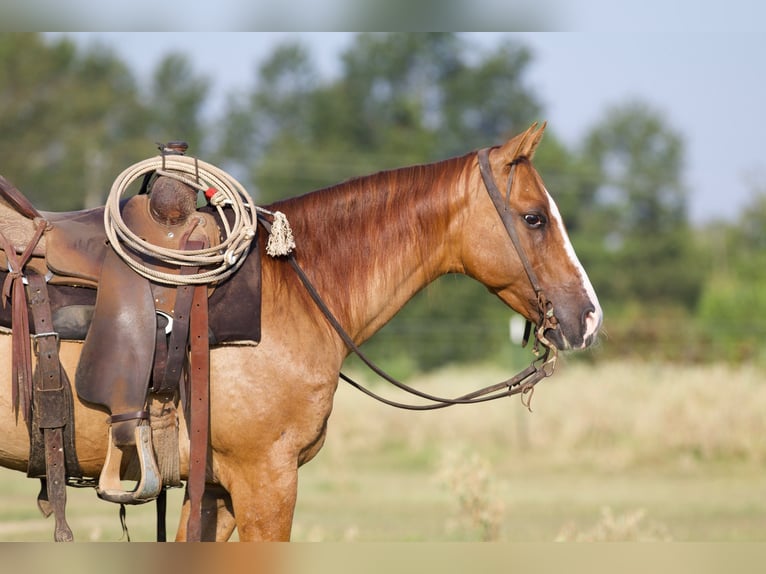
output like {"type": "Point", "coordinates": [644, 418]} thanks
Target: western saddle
{"type": "Point", "coordinates": [145, 342]}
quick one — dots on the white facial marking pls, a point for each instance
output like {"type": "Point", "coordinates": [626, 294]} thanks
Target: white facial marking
{"type": "Point", "coordinates": [593, 319]}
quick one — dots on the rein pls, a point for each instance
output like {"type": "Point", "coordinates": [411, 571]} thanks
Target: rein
{"type": "Point", "coordinates": [522, 383]}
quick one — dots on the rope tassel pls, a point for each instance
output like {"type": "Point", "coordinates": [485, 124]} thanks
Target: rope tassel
{"type": "Point", "coordinates": [281, 240]}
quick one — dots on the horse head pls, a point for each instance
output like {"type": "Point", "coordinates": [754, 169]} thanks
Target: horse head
{"type": "Point", "coordinates": [523, 253]}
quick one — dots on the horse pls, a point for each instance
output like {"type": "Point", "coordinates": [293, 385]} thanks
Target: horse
{"type": "Point", "coordinates": [368, 245]}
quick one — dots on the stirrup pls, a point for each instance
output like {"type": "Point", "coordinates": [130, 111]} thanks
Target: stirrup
{"type": "Point", "coordinates": [150, 485]}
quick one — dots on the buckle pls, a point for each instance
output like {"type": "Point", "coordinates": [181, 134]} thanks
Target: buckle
{"type": "Point", "coordinates": [169, 326]}
{"type": "Point", "coordinates": [48, 275]}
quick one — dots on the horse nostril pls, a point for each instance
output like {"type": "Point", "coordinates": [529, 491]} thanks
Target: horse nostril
{"type": "Point", "coordinates": [591, 321]}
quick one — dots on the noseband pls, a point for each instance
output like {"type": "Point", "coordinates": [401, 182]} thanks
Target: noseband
{"type": "Point", "coordinates": [509, 216]}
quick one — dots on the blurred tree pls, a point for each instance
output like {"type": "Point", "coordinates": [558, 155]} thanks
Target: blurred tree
{"type": "Point", "coordinates": [634, 238]}
{"type": "Point", "coordinates": [399, 99]}
{"type": "Point", "coordinates": [647, 253]}
{"type": "Point", "coordinates": [72, 120]}
{"type": "Point", "coordinates": [733, 303]}
{"type": "Point", "coordinates": [177, 96]}
{"type": "Point", "coordinates": [66, 119]}
{"type": "Point", "coordinates": [274, 122]}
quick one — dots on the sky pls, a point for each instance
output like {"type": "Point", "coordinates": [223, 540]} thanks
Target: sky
{"type": "Point", "coordinates": [709, 85]}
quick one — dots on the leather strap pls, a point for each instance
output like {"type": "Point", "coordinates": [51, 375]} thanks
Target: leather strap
{"type": "Point", "coordinates": [17, 199]}
{"type": "Point", "coordinates": [51, 401]}
{"type": "Point", "coordinates": [168, 379]}
{"type": "Point", "coordinates": [190, 331]}
{"type": "Point", "coordinates": [162, 507]}
{"type": "Point", "coordinates": [135, 415]}
{"type": "Point", "coordinates": [199, 411]}
{"type": "Point", "coordinates": [522, 383]}
{"type": "Point", "coordinates": [160, 351]}
{"type": "Point", "coordinates": [21, 363]}
{"type": "Point", "coordinates": [56, 480]}
{"type": "Point", "coordinates": [507, 214]}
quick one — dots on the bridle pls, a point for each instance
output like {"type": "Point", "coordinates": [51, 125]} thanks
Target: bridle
{"type": "Point", "coordinates": [509, 216]}
{"type": "Point", "coordinates": [522, 383]}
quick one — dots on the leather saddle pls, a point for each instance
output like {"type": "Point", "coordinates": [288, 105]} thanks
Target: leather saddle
{"type": "Point", "coordinates": [123, 318]}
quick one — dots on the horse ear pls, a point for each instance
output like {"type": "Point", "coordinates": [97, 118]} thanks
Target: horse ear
{"type": "Point", "coordinates": [534, 139]}
{"type": "Point", "coordinates": [524, 144]}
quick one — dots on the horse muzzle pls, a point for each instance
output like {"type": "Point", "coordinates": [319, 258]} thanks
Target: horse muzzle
{"type": "Point", "coordinates": [576, 334]}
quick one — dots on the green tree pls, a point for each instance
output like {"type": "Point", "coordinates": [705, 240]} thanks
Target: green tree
{"type": "Point", "coordinates": [733, 302]}
{"type": "Point", "coordinates": [72, 119]}
{"type": "Point", "coordinates": [67, 119]}
{"type": "Point", "coordinates": [175, 103]}
{"type": "Point", "coordinates": [635, 238]}
{"type": "Point", "coordinates": [399, 99]}
{"type": "Point", "coordinates": [647, 253]}
{"type": "Point", "coordinates": [274, 125]}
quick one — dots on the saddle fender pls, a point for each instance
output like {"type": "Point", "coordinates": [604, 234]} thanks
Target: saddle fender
{"type": "Point", "coordinates": [116, 361]}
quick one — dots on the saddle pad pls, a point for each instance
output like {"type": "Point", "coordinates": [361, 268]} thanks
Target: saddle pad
{"type": "Point", "coordinates": [235, 305]}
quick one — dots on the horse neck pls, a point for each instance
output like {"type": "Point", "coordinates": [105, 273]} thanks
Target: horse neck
{"type": "Point", "coordinates": [370, 244]}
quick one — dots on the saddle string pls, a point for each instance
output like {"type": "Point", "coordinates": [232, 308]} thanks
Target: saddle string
{"type": "Point", "coordinates": [21, 350]}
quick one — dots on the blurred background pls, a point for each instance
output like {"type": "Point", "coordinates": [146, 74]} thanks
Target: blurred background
{"type": "Point", "coordinates": [653, 154]}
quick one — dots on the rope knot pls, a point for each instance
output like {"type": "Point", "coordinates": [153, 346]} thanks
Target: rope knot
{"type": "Point", "coordinates": [218, 199]}
{"type": "Point", "coordinates": [281, 241]}
{"type": "Point", "coordinates": [230, 256]}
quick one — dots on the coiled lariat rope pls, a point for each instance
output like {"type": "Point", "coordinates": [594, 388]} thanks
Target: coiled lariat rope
{"type": "Point", "coordinates": [218, 261]}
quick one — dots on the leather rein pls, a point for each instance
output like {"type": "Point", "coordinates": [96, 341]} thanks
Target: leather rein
{"type": "Point", "coordinates": [522, 383]}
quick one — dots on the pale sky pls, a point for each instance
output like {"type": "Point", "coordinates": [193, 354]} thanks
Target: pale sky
{"type": "Point", "coordinates": [709, 85]}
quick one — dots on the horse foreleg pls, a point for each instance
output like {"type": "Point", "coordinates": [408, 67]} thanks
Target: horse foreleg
{"type": "Point", "coordinates": [217, 516]}
{"type": "Point", "coordinates": [264, 502]}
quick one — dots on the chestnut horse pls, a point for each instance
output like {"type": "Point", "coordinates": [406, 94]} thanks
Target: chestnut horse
{"type": "Point", "coordinates": [368, 245]}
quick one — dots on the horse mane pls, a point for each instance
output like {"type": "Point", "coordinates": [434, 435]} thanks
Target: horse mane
{"type": "Point", "coordinates": [355, 229]}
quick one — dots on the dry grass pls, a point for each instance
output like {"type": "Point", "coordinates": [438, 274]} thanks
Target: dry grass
{"type": "Point", "coordinates": [628, 527]}
{"type": "Point", "coordinates": [612, 416]}
{"type": "Point", "coordinates": [472, 482]}
{"type": "Point", "coordinates": [623, 451]}
{"type": "Point", "coordinates": [613, 451]}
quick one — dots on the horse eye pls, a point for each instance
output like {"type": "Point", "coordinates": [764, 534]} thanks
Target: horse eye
{"type": "Point", "coordinates": [534, 220]}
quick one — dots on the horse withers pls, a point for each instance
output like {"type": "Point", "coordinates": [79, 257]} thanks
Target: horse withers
{"type": "Point", "coordinates": [368, 245]}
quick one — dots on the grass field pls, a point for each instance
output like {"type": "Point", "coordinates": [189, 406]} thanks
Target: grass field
{"type": "Point", "coordinates": [623, 451]}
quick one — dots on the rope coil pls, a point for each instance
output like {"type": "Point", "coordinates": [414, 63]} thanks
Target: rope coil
{"type": "Point", "coordinates": [219, 261]}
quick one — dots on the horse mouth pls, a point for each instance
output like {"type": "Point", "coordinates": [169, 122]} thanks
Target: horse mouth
{"type": "Point", "coordinates": [557, 338]}
{"type": "Point", "coordinates": [577, 343]}
{"type": "Point", "coordinates": [582, 337]}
